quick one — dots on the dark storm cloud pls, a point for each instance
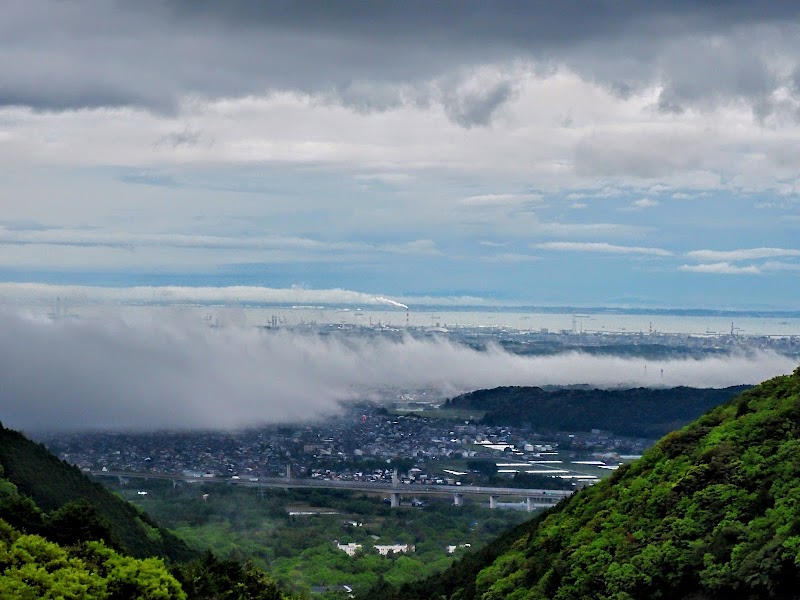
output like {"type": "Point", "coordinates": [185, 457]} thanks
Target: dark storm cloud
{"type": "Point", "coordinates": [377, 55]}
{"type": "Point", "coordinates": [518, 23]}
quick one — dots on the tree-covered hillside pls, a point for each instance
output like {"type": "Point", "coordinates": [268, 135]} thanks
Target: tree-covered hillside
{"type": "Point", "coordinates": [32, 568]}
{"type": "Point", "coordinates": [52, 484]}
{"type": "Point", "coordinates": [638, 412]}
{"type": "Point", "coordinates": [712, 511]}
{"type": "Point", "coordinates": [77, 544]}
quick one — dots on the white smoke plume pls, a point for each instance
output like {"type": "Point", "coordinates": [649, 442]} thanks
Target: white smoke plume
{"type": "Point", "coordinates": [162, 372]}
{"type": "Point", "coordinates": [390, 302]}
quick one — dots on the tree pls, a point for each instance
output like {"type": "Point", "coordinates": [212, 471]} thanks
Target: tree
{"type": "Point", "coordinates": [78, 522]}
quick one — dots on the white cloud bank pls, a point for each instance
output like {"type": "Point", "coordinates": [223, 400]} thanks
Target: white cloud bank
{"type": "Point", "coordinates": [177, 373]}
{"type": "Point", "coordinates": [173, 294]}
{"type": "Point", "coordinates": [18, 293]}
{"type": "Point", "coordinates": [601, 248]}
{"type": "Point", "coordinates": [721, 268]}
{"type": "Point", "coordinates": [742, 254]}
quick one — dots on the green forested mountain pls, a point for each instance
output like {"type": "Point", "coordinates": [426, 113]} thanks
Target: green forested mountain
{"type": "Point", "coordinates": [710, 512]}
{"type": "Point", "coordinates": [637, 412]}
{"type": "Point", "coordinates": [65, 537]}
{"type": "Point", "coordinates": [52, 484]}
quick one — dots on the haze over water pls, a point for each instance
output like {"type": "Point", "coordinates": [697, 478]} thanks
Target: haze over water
{"type": "Point", "coordinates": [453, 318]}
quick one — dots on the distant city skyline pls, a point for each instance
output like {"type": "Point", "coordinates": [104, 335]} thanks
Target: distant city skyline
{"type": "Point", "coordinates": [603, 154]}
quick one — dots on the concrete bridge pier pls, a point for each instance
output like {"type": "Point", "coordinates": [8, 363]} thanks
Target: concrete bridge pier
{"type": "Point", "coordinates": [395, 499]}
{"type": "Point", "coordinates": [530, 505]}
{"type": "Point", "coordinates": [395, 478]}
{"type": "Point", "coordinates": [458, 499]}
{"type": "Point", "coordinates": [288, 472]}
{"type": "Point", "coordinates": [492, 501]}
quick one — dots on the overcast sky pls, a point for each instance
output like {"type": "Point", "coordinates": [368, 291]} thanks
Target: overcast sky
{"type": "Point", "coordinates": [555, 152]}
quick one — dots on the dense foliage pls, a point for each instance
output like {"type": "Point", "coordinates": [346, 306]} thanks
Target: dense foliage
{"type": "Point", "coordinates": [52, 484]}
{"type": "Point", "coordinates": [211, 578]}
{"type": "Point", "coordinates": [79, 550]}
{"type": "Point", "coordinates": [639, 412]}
{"type": "Point", "coordinates": [298, 550]}
{"type": "Point", "coordinates": [33, 568]}
{"type": "Point", "coordinates": [712, 511]}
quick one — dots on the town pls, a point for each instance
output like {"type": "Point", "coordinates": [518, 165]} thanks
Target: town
{"type": "Point", "coordinates": [365, 442]}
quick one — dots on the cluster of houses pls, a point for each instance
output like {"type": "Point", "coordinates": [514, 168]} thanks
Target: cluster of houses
{"type": "Point", "coordinates": [357, 445]}
{"type": "Point", "coordinates": [352, 548]}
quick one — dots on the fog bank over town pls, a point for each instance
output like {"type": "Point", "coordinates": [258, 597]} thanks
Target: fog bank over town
{"type": "Point", "coordinates": [170, 370]}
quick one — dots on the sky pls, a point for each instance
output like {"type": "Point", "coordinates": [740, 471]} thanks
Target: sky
{"type": "Point", "coordinates": [580, 153]}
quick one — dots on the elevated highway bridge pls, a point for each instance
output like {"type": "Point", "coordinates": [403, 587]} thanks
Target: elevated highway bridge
{"type": "Point", "coordinates": [535, 498]}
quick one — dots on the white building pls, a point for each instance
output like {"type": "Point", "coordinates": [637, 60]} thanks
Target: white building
{"type": "Point", "coordinates": [394, 548]}
{"type": "Point", "coordinates": [350, 549]}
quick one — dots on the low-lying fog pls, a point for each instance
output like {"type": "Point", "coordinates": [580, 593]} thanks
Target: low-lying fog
{"type": "Point", "coordinates": [163, 372]}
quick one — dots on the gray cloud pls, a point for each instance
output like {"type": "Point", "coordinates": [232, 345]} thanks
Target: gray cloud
{"type": "Point", "coordinates": [643, 155]}
{"type": "Point", "coordinates": [176, 373]}
{"type": "Point", "coordinates": [477, 107]}
{"type": "Point", "coordinates": [709, 69]}
{"type": "Point", "coordinates": [375, 56]}
{"type": "Point", "coordinates": [184, 137]}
